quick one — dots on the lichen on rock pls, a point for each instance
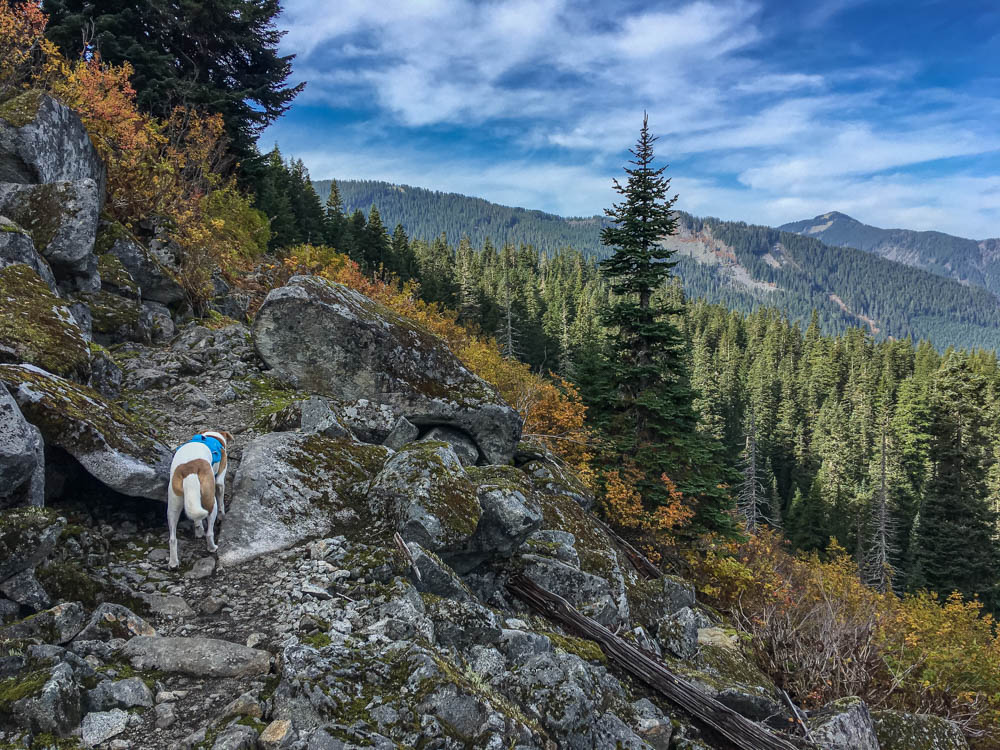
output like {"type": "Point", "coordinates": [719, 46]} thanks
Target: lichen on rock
{"type": "Point", "coordinates": [112, 446]}
{"type": "Point", "coordinates": [37, 327]}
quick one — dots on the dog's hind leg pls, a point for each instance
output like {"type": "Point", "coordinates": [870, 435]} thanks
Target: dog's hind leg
{"type": "Point", "coordinates": [210, 532]}
{"type": "Point", "coordinates": [175, 505]}
{"type": "Point", "coordinates": [220, 492]}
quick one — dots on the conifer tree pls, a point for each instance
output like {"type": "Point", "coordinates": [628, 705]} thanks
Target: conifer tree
{"type": "Point", "coordinates": [955, 546]}
{"type": "Point", "coordinates": [334, 221]}
{"type": "Point", "coordinates": [653, 422]}
{"type": "Point", "coordinates": [377, 243]}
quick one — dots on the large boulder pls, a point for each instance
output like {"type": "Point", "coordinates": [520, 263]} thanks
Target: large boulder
{"type": "Point", "coordinates": [16, 247]}
{"type": "Point", "coordinates": [197, 657]}
{"type": "Point", "coordinates": [111, 445]}
{"type": "Point", "coordinates": [155, 279]}
{"type": "Point", "coordinates": [37, 327]}
{"type": "Point", "coordinates": [22, 456]}
{"type": "Point", "coordinates": [431, 499]}
{"type": "Point", "coordinates": [43, 140]}
{"type": "Point", "coordinates": [292, 487]}
{"type": "Point", "coordinates": [329, 339]}
{"type": "Point", "coordinates": [47, 700]}
{"type": "Point", "coordinates": [897, 730]}
{"type": "Point", "coordinates": [61, 218]}
{"type": "Point", "coordinates": [844, 724]}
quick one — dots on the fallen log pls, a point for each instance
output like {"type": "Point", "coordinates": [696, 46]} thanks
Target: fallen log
{"type": "Point", "coordinates": [737, 729]}
{"type": "Point", "coordinates": [639, 561]}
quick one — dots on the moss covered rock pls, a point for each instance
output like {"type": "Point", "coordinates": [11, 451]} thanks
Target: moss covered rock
{"type": "Point", "coordinates": [43, 140]}
{"type": "Point", "coordinates": [61, 218]}
{"type": "Point", "coordinates": [292, 487]}
{"type": "Point", "coordinates": [37, 327]}
{"type": "Point", "coordinates": [152, 278]}
{"type": "Point", "coordinates": [16, 247]}
{"type": "Point", "coordinates": [114, 318]}
{"type": "Point", "coordinates": [426, 494]}
{"type": "Point", "coordinates": [111, 445]}
{"type": "Point", "coordinates": [897, 730]}
{"type": "Point", "coordinates": [332, 340]}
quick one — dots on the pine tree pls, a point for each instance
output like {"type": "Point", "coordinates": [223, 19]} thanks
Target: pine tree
{"type": "Point", "coordinates": [403, 264]}
{"type": "Point", "coordinates": [955, 548]}
{"type": "Point", "coordinates": [215, 55]}
{"type": "Point", "coordinates": [378, 246]}
{"type": "Point", "coordinates": [334, 220]}
{"type": "Point", "coordinates": [654, 424]}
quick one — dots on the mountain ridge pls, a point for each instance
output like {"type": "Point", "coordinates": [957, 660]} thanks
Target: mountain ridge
{"type": "Point", "coordinates": [743, 266]}
{"type": "Point", "coordinates": [969, 261]}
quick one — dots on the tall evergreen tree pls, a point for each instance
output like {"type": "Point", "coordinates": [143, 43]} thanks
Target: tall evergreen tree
{"type": "Point", "coordinates": [955, 546]}
{"type": "Point", "coordinates": [215, 55]}
{"type": "Point", "coordinates": [653, 422]}
{"type": "Point", "coordinates": [334, 220]}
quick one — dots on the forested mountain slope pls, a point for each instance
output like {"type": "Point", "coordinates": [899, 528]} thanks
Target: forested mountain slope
{"type": "Point", "coordinates": [971, 261]}
{"type": "Point", "coordinates": [743, 266]}
{"type": "Point", "coordinates": [425, 214]}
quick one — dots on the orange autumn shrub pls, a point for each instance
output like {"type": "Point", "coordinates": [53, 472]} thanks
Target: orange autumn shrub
{"type": "Point", "coordinates": [821, 634]}
{"type": "Point", "coordinates": [653, 529]}
{"type": "Point", "coordinates": [26, 56]}
{"type": "Point", "coordinates": [169, 171]}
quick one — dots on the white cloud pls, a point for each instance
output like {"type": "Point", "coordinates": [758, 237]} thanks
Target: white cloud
{"type": "Point", "coordinates": [559, 86]}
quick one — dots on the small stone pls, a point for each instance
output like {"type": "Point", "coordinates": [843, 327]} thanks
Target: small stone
{"type": "Point", "coordinates": [202, 568]}
{"type": "Point", "coordinates": [244, 705]}
{"type": "Point", "coordinates": [211, 605]}
{"type": "Point", "coordinates": [169, 696]}
{"type": "Point", "coordinates": [127, 693]}
{"type": "Point", "coordinates": [165, 715]}
{"type": "Point", "coordinates": [255, 639]}
{"type": "Point", "coordinates": [315, 591]}
{"type": "Point", "coordinates": [236, 737]}
{"type": "Point", "coordinates": [168, 605]}
{"type": "Point", "coordinates": [100, 726]}
{"type": "Point", "coordinates": [277, 735]}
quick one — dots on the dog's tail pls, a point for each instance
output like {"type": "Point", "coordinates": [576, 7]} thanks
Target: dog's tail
{"type": "Point", "coordinates": [192, 498]}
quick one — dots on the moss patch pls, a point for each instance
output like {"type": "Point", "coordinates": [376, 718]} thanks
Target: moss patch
{"type": "Point", "coordinates": [64, 581]}
{"type": "Point", "coordinates": [113, 273]}
{"type": "Point", "coordinates": [449, 495]}
{"type": "Point", "coordinates": [269, 396]}
{"type": "Point", "coordinates": [37, 327]}
{"type": "Point", "coordinates": [21, 109]}
{"type": "Point", "coordinates": [586, 649]}
{"type": "Point", "coordinates": [78, 419]}
{"type": "Point", "coordinates": [21, 686]}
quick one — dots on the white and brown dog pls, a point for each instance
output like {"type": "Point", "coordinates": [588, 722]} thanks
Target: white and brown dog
{"type": "Point", "coordinates": [197, 486]}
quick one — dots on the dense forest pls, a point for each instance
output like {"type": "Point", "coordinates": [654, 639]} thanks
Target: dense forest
{"type": "Point", "coordinates": [744, 267]}
{"type": "Point", "coordinates": [870, 440]}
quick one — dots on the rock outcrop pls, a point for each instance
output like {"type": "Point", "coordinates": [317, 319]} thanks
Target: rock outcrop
{"type": "Point", "coordinates": [16, 246]}
{"type": "Point", "coordinates": [331, 340]}
{"type": "Point", "coordinates": [114, 449]}
{"type": "Point", "coordinates": [43, 140]}
{"type": "Point", "coordinates": [294, 487]}
{"type": "Point", "coordinates": [61, 218]}
{"type": "Point", "coordinates": [22, 457]}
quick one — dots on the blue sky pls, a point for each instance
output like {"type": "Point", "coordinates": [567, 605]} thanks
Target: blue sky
{"type": "Point", "coordinates": [767, 111]}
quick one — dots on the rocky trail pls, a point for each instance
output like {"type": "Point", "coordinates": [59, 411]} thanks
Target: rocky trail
{"type": "Point", "coordinates": [310, 629]}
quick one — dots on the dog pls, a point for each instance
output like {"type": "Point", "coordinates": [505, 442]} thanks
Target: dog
{"type": "Point", "coordinates": [197, 486]}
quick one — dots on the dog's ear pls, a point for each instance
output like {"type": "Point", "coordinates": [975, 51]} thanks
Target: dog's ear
{"type": "Point", "coordinates": [229, 438]}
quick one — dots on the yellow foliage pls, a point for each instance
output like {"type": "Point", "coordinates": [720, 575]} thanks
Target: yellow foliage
{"type": "Point", "coordinates": [822, 634]}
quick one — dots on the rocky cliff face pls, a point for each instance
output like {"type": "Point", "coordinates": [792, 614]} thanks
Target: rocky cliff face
{"type": "Point", "coordinates": [380, 502]}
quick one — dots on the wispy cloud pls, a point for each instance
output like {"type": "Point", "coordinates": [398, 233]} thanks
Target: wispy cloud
{"type": "Point", "coordinates": [767, 114]}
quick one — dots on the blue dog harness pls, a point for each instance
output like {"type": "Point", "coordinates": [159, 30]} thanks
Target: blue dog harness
{"type": "Point", "coordinates": [213, 445]}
